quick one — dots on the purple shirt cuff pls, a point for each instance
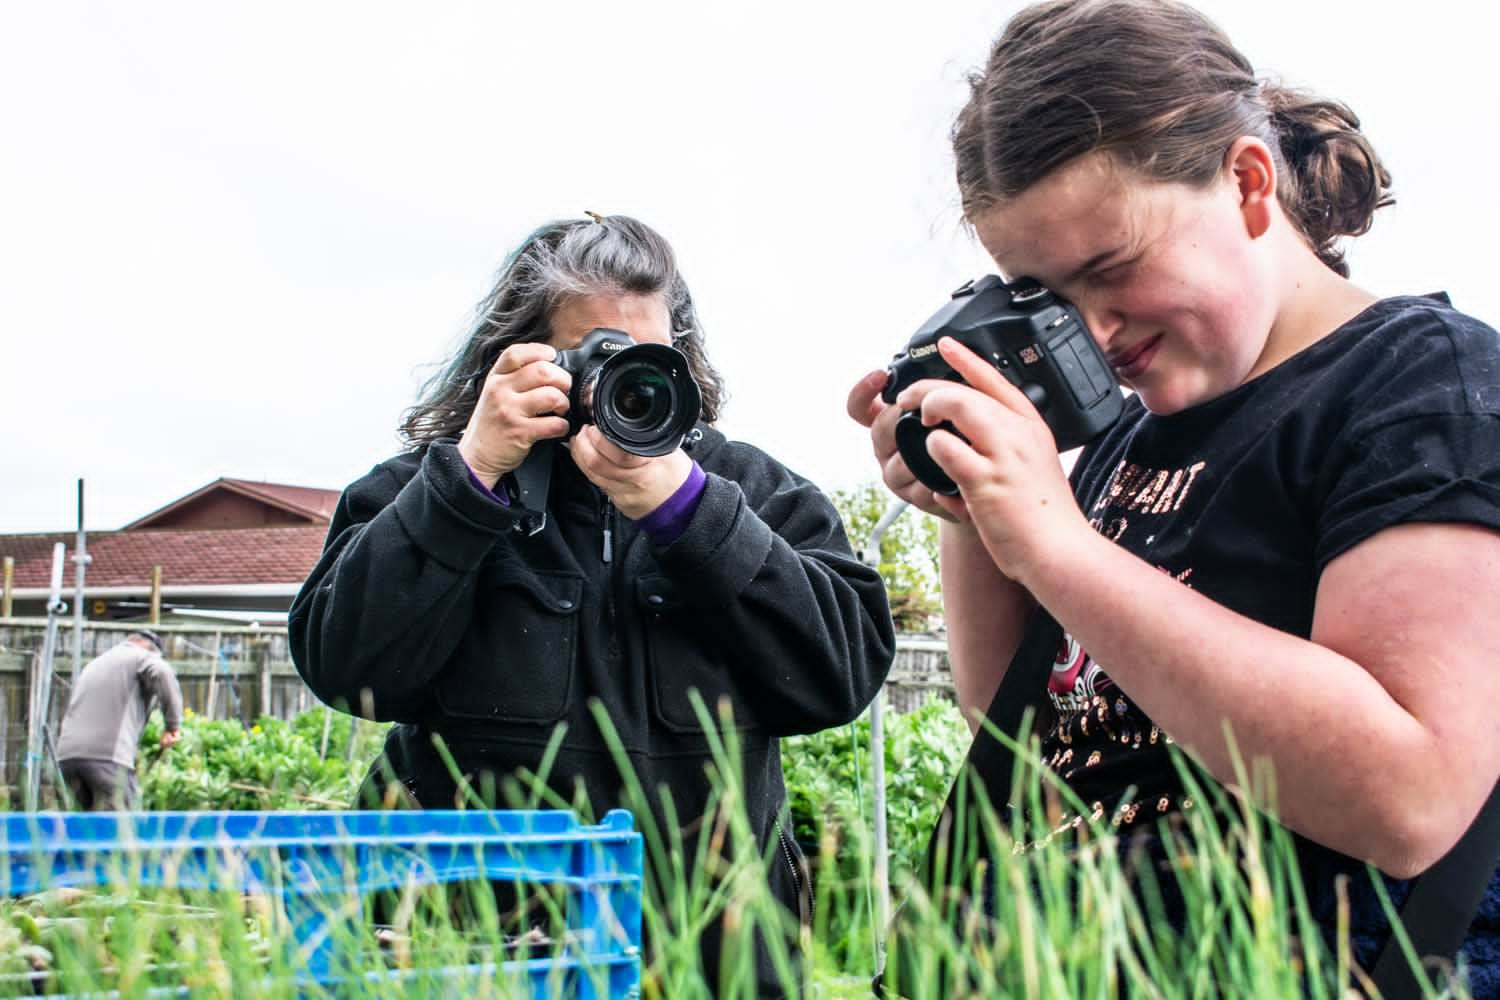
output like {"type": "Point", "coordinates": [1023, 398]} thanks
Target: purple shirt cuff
{"type": "Point", "coordinates": [664, 524]}
{"type": "Point", "coordinates": [499, 494]}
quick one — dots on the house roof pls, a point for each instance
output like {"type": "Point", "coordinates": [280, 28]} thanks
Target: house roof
{"type": "Point", "coordinates": [188, 557]}
{"type": "Point", "coordinates": [316, 505]}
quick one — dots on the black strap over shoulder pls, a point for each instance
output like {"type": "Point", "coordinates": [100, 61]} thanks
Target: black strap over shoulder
{"type": "Point", "coordinates": [958, 842]}
{"type": "Point", "coordinates": [990, 763]}
{"type": "Point", "coordinates": [1441, 905]}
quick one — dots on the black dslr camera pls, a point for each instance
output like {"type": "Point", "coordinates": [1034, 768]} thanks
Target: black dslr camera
{"type": "Point", "coordinates": [642, 397]}
{"type": "Point", "coordinates": [1036, 340]}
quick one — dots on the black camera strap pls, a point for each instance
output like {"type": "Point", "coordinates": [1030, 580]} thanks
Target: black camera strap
{"type": "Point", "coordinates": [530, 482]}
{"type": "Point", "coordinates": [957, 843]}
{"type": "Point", "coordinates": [1441, 905]}
{"type": "Point", "coordinates": [990, 763]}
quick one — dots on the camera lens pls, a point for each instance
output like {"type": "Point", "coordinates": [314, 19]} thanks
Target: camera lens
{"type": "Point", "coordinates": [641, 397]}
{"type": "Point", "coordinates": [645, 399]}
{"type": "Point", "coordinates": [911, 442]}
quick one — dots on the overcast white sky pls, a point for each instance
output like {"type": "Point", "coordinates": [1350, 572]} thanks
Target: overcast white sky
{"type": "Point", "coordinates": [235, 237]}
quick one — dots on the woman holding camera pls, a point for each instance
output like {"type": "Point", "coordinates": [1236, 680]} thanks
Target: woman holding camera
{"type": "Point", "coordinates": [1286, 550]}
{"type": "Point", "coordinates": [710, 572]}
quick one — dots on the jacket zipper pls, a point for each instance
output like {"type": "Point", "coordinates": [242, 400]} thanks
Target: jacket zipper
{"type": "Point", "coordinates": [607, 519]}
{"type": "Point", "coordinates": [791, 863]}
{"type": "Point", "coordinates": [607, 556]}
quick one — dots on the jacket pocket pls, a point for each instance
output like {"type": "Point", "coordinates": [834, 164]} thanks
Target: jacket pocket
{"type": "Point", "coordinates": [682, 660]}
{"type": "Point", "coordinates": [518, 660]}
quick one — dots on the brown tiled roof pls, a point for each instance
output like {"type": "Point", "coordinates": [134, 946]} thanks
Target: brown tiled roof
{"type": "Point", "coordinates": [187, 557]}
{"type": "Point", "coordinates": [310, 502]}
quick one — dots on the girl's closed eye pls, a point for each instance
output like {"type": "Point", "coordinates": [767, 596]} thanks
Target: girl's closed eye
{"type": "Point", "coordinates": [1114, 274]}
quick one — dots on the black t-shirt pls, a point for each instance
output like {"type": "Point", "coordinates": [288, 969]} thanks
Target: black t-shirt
{"type": "Point", "coordinates": [1392, 418]}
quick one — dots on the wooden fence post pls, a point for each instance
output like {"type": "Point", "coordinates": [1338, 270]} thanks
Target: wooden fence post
{"type": "Point", "coordinates": [155, 595]}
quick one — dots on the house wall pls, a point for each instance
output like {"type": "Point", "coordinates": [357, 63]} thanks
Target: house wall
{"type": "Point", "coordinates": [223, 509]}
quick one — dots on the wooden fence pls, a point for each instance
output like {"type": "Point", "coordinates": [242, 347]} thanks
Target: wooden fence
{"type": "Point", "coordinates": [225, 673]}
{"type": "Point", "coordinates": [246, 673]}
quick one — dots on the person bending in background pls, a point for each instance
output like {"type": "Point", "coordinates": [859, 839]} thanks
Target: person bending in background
{"type": "Point", "coordinates": [712, 570]}
{"type": "Point", "coordinates": [107, 709]}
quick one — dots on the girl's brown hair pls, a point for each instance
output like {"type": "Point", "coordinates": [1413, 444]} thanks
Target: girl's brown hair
{"type": "Point", "coordinates": [1159, 87]}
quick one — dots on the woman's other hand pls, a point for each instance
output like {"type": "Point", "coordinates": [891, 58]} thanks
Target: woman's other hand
{"type": "Point", "coordinates": [637, 485]}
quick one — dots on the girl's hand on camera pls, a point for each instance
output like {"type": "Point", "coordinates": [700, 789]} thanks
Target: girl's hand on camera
{"type": "Point", "coordinates": [868, 410]}
{"type": "Point", "coordinates": [1008, 473]}
{"type": "Point", "coordinates": [523, 395]}
{"type": "Point", "coordinates": [637, 485]}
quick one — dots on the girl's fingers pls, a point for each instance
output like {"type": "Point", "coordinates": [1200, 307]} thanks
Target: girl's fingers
{"type": "Point", "coordinates": [983, 375]}
{"type": "Point", "coordinates": [955, 507]}
{"type": "Point", "coordinates": [864, 403]}
{"type": "Point", "coordinates": [984, 420]}
{"type": "Point", "coordinates": [956, 457]}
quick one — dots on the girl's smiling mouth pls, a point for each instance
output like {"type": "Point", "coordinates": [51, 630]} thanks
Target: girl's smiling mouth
{"type": "Point", "coordinates": [1134, 360]}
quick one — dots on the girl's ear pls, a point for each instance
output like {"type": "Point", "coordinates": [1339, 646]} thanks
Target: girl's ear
{"type": "Point", "coordinates": [1251, 166]}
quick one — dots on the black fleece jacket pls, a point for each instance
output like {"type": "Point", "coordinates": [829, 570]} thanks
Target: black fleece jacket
{"type": "Point", "coordinates": [433, 607]}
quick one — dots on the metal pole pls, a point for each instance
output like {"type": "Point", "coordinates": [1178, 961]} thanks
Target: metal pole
{"type": "Point", "coordinates": [213, 684]}
{"type": "Point", "coordinates": [327, 725]}
{"type": "Point", "coordinates": [871, 557]}
{"type": "Point", "coordinates": [81, 561]}
{"type": "Point", "coordinates": [260, 655]}
{"type": "Point", "coordinates": [41, 695]}
{"type": "Point", "coordinates": [5, 593]}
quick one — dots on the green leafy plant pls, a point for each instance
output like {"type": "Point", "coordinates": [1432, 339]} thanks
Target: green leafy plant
{"type": "Point", "coordinates": [832, 805]}
{"type": "Point", "coordinates": [273, 764]}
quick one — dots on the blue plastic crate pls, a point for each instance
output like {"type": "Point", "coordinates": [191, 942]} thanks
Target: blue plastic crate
{"type": "Point", "coordinates": [311, 861]}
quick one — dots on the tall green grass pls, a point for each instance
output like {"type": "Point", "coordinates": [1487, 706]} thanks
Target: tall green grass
{"type": "Point", "coordinates": [1077, 916]}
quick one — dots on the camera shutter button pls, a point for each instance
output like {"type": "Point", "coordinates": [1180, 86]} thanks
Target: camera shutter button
{"type": "Point", "coordinates": [1029, 296]}
{"type": "Point", "coordinates": [1037, 393]}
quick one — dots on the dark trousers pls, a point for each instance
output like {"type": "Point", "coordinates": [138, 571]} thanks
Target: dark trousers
{"type": "Point", "coordinates": [100, 785]}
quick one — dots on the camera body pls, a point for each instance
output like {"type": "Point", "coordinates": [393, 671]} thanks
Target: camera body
{"type": "Point", "coordinates": [1035, 339]}
{"type": "Point", "coordinates": [642, 397]}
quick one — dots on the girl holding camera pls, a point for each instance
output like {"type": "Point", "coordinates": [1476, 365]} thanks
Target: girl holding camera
{"type": "Point", "coordinates": [1286, 550]}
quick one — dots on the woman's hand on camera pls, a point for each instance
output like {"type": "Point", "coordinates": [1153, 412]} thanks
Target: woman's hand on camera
{"type": "Point", "coordinates": [1007, 470]}
{"type": "Point", "coordinates": [636, 485]}
{"type": "Point", "coordinates": [520, 404]}
{"type": "Point", "coordinates": [869, 410]}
